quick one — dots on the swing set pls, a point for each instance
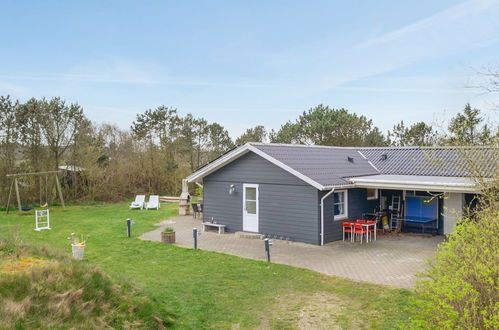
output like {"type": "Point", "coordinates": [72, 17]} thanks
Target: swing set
{"type": "Point", "coordinates": [40, 175]}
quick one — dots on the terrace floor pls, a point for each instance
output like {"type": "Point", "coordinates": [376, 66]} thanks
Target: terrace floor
{"type": "Point", "coordinates": [392, 260]}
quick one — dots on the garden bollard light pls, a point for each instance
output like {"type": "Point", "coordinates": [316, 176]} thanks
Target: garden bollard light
{"type": "Point", "coordinates": [268, 244]}
{"type": "Point", "coordinates": [129, 227]}
{"type": "Point", "coordinates": [195, 237]}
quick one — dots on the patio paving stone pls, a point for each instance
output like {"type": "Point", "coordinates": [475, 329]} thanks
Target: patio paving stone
{"type": "Point", "coordinates": [392, 260]}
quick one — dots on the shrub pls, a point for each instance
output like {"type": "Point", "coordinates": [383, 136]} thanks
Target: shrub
{"type": "Point", "coordinates": [461, 290]}
{"type": "Point", "coordinates": [169, 230]}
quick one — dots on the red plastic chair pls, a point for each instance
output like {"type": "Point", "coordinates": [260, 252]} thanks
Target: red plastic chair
{"type": "Point", "coordinates": [359, 229]}
{"type": "Point", "coordinates": [372, 229]}
{"type": "Point", "coordinates": [347, 228]}
{"type": "Point", "coordinates": [361, 221]}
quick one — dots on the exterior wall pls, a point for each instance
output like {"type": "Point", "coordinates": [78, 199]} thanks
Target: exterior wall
{"type": "Point", "coordinates": [453, 210]}
{"type": "Point", "coordinates": [357, 204]}
{"type": "Point", "coordinates": [288, 206]}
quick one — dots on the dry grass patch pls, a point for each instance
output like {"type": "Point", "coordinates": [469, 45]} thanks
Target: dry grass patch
{"type": "Point", "coordinates": [320, 310]}
{"type": "Point", "coordinates": [11, 265]}
{"type": "Point", "coordinates": [43, 289]}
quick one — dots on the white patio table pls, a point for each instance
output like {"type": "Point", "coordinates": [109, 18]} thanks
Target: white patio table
{"type": "Point", "coordinates": [367, 225]}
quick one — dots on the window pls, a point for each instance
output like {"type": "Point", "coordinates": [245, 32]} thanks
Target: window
{"type": "Point", "coordinates": [372, 193]}
{"type": "Point", "coordinates": [340, 205]}
{"type": "Point", "coordinates": [250, 200]}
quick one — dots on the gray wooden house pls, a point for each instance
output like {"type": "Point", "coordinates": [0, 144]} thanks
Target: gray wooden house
{"type": "Point", "coordinates": [305, 192]}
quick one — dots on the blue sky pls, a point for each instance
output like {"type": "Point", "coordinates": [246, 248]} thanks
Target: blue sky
{"type": "Point", "coordinates": [245, 63]}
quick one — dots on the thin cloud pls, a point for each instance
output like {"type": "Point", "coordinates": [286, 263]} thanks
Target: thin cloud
{"type": "Point", "coordinates": [406, 90]}
{"type": "Point", "coordinates": [138, 81]}
{"type": "Point", "coordinates": [458, 12]}
{"type": "Point", "coordinates": [199, 83]}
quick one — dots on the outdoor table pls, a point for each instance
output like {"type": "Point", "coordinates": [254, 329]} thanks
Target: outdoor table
{"type": "Point", "coordinates": [367, 225]}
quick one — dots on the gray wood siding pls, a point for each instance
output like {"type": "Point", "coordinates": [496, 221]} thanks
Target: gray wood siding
{"type": "Point", "coordinates": [357, 204]}
{"type": "Point", "coordinates": [288, 206]}
{"type": "Point", "coordinates": [251, 168]}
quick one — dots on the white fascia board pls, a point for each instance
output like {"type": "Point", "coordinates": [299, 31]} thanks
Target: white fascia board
{"type": "Point", "coordinates": [286, 168]}
{"type": "Point", "coordinates": [462, 188]}
{"type": "Point", "coordinates": [342, 186]}
{"type": "Point", "coordinates": [215, 165]}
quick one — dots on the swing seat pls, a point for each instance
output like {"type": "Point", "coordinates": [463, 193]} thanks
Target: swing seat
{"type": "Point", "coordinates": [26, 208]}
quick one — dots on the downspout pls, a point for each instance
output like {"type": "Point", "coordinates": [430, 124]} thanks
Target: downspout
{"type": "Point", "coordinates": [322, 214]}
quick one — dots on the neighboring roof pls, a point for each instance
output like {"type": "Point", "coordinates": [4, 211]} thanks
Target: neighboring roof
{"type": "Point", "coordinates": [415, 182]}
{"type": "Point", "coordinates": [435, 161]}
{"type": "Point", "coordinates": [326, 167]}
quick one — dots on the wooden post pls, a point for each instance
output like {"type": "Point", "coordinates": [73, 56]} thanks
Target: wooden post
{"type": "Point", "coordinates": [17, 195]}
{"type": "Point", "coordinates": [10, 194]}
{"type": "Point", "coordinates": [58, 185]}
{"type": "Point", "coordinates": [40, 187]}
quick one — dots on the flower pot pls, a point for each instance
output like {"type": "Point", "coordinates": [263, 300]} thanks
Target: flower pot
{"type": "Point", "coordinates": [78, 251]}
{"type": "Point", "coordinates": [168, 237]}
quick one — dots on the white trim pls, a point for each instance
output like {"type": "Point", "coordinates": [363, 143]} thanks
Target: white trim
{"type": "Point", "coordinates": [412, 186]}
{"type": "Point", "coordinates": [345, 202]}
{"type": "Point", "coordinates": [322, 214]}
{"type": "Point", "coordinates": [401, 184]}
{"type": "Point", "coordinates": [257, 214]}
{"type": "Point", "coordinates": [376, 194]}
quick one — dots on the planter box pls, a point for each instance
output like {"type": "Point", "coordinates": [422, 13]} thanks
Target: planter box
{"type": "Point", "coordinates": [168, 237]}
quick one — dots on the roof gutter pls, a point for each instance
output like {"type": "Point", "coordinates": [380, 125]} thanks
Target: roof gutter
{"type": "Point", "coordinates": [322, 214]}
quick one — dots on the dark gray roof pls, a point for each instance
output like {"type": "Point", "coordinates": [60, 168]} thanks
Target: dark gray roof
{"type": "Point", "coordinates": [435, 161]}
{"type": "Point", "coordinates": [325, 166]}
{"type": "Point", "coordinates": [328, 166]}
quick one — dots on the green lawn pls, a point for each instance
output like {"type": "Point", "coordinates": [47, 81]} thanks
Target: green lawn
{"type": "Point", "coordinates": [204, 289]}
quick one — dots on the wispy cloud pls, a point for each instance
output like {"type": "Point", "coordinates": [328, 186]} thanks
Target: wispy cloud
{"type": "Point", "coordinates": [107, 79]}
{"type": "Point", "coordinates": [406, 90]}
{"type": "Point", "coordinates": [456, 30]}
{"type": "Point", "coordinates": [449, 15]}
{"type": "Point", "coordinates": [200, 83]}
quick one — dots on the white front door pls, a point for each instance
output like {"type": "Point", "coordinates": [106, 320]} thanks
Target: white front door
{"type": "Point", "coordinates": [250, 207]}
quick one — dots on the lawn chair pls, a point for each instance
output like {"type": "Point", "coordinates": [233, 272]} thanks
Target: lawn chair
{"type": "Point", "coordinates": [153, 202]}
{"type": "Point", "coordinates": [139, 202]}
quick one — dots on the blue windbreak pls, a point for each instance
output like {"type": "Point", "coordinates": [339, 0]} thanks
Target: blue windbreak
{"type": "Point", "coordinates": [425, 207]}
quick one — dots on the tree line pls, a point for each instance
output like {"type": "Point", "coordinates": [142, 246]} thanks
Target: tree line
{"type": "Point", "coordinates": [162, 147]}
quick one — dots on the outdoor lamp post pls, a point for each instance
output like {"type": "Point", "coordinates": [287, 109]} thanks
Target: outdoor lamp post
{"type": "Point", "coordinates": [268, 244]}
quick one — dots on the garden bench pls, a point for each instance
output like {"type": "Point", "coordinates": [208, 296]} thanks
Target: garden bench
{"type": "Point", "coordinates": [221, 228]}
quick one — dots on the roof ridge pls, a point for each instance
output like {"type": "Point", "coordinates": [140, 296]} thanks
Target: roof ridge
{"type": "Point", "coordinates": [367, 148]}
{"type": "Point", "coordinates": [299, 145]}
{"type": "Point", "coordinates": [428, 147]}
